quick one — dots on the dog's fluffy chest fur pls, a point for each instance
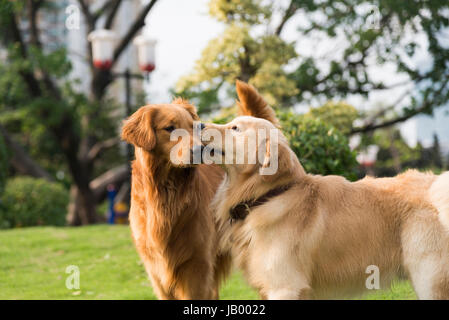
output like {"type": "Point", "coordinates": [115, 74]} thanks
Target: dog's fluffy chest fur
{"type": "Point", "coordinates": [173, 228]}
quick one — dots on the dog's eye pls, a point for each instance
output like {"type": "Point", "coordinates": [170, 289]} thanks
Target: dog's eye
{"type": "Point", "coordinates": [169, 128]}
{"type": "Point", "coordinates": [235, 128]}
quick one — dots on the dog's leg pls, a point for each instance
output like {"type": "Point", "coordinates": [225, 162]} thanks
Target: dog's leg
{"type": "Point", "coordinates": [222, 269]}
{"type": "Point", "coordinates": [196, 281]}
{"type": "Point", "coordinates": [441, 288]}
{"type": "Point", "coordinates": [293, 287]}
{"type": "Point", "coordinates": [428, 279]}
{"type": "Point", "coordinates": [426, 255]}
{"type": "Point", "coordinates": [156, 284]}
{"type": "Point", "coordinates": [276, 271]}
{"type": "Point", "coordinates": [158, 289]}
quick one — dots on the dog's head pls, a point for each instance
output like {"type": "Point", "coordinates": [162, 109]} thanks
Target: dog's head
{"type": "Point", "coordinates": [252, 135]}
{"type": "Point", "coordinates": [249, 145]}
{"type": "Point", "coordinates": [165, 130]}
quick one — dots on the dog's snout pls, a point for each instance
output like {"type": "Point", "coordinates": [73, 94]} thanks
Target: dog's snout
{"type": "Point", "coordinates": [202, 126]}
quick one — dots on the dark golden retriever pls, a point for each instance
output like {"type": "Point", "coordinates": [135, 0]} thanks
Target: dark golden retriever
{"type": "Point", "coordinates": [172, 226]}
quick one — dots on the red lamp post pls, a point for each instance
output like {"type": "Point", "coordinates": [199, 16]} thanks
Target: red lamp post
{"type": "Point", "coordinates": [145, 53]}
{"type": "Point", "coordinates": [102, 54]}
{"type": "Point", "coordinates": [367, 159]}
{"type": "Point", "coordinates": [102, 48]}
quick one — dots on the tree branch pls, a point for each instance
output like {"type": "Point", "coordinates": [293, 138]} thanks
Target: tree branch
{"type": "Point", "coordinates": [382, 112]}
{"type": "Point", "coordinates": [372, 126]}
{"type": "Point", "coordinates": [101, 146]}
{"type": "Point", "coordinates": [103, 9]}
{"type": "Point", "coordinates": [114, 176]}
{"type": "Point", "coordinates": [90, 19]}
{"type": "Point", "coordinates": [33, 8]}
{"type": "Point", "coordinates": [28, 77]}
{"type": "Point", "coordinates": [426, 105]}
{"type": "Point", "coordinates": [135, 27]}
{"type": "Point", "coordinates": [291, 10]}
{"type": "Point", "coordinates": [113, 11]}
{"type": "Point", "coordinates": [21, 161]}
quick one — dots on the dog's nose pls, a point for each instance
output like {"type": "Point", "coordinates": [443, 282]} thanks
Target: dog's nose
{"type": "Point", "coordinates": [202, 126]}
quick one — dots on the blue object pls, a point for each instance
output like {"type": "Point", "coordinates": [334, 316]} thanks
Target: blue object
{"type": "Point", "coordinates": [111, 196]}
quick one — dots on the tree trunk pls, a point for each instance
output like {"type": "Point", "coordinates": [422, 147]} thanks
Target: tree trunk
{"type": "Point", "coordinates": [83, 201]}
{"type": "Point", "coordinates": [21, 161]}
{"type": "Point", "coordinates": [82, 207]}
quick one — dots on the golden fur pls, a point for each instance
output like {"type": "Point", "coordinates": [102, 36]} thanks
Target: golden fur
{"type": "Point", "coordinates": [317, 239]}
{"type": "Point", "coordinates": [171, 225]}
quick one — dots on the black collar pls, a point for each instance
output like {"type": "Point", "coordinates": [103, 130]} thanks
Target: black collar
{"type": "Point", "coordinates": [242, 209]}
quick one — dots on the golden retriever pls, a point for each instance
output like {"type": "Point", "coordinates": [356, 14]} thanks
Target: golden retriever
{"type": "Point", "coordinates": [172, 226]}
{"type": "Point", "coordinates": [302, 236]}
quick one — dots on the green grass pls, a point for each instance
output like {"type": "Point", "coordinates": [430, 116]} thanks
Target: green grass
{"type": "Point", "coordinates": [33, 262]}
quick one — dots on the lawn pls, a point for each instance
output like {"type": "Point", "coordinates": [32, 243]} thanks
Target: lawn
{"type": "Point", "coordinates": [33, 264]}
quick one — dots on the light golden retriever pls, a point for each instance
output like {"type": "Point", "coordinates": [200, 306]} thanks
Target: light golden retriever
{"type": "Point", "coordinates": [172, 226]}
{"type": "Point", "coordinates": [303, 236]}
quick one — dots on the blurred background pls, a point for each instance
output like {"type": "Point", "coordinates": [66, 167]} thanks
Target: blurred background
{"type": "Point", "coordinates": [371, 73]}
{"type": "Point", "coordinates": [361, 87]}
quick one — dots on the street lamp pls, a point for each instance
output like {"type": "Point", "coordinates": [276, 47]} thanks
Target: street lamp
{"type": "Point", "coordinates": [102, 48]}
{"type": "Point", "coordinates": [145, 53]}
{"type": "Point", "coordinates": [367, 158]}
{"type": "Point", "coordinates": [102, 55]}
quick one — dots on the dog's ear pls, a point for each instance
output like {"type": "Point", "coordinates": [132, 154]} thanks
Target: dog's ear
{"type": "Point", "coordinates": [186, 105]}
{"type": "Point", "coordinates": [138, 128]}
{"type": "Point", "coordinates": [251, 103]}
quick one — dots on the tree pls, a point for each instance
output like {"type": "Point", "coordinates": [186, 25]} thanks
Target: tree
{"type": "Point", "coordinates": [394, 155]}
{"type": "Point", "coordinates": [437, 156]}
{"type": "Point", "coordinates": [362, 33]}
{"type": "Point", "coordinates": [3, 165]}
{"type": "Point", "coordinates": [70, 129]}
{"type": "Point", "coordinates": [446, 167]}
{"type": "Point", "coordinates": [320, 147]}
{"type": "Point", "coordinates": [239, 54]}
{"type": "Point", "coordinates": [383, 31]}
{"type": "Point", "coordinates": [338, 114]}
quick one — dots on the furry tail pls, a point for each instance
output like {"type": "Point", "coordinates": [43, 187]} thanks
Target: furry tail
{"type": "Point", "coordinates": [439, 197]}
